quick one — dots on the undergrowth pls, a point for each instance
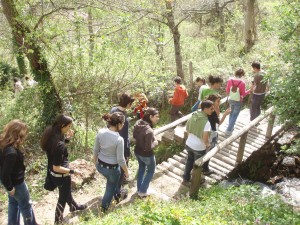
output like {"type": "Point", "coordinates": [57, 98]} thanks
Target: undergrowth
{"type": "Point", "coordinates": [216, 205]}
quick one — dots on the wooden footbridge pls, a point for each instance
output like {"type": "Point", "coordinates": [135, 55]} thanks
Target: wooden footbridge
{"type": "Point", "coordinates": [231, 151]}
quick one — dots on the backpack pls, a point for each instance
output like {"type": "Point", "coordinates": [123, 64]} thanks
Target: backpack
{"type": "Point", "coordinates": [235, 92]}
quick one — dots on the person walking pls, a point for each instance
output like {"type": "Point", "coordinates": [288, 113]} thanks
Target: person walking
{"type": "Point", "coordinates": [179, 96]}
{"type": "Point", "coordinates": [53, 142]}
{"type": "Point", "coordinates": [215, 84]}
{"type": "Point", "coordinates": [109, 157]}
{"type": "Point", "coordinates": [145, 143]}
{"type": "Point", "coordinates": [214, 119]}
{"type": "Point", "coordinates": [13, 173]}
{"type": "Point", "coordinates": [201, 84]}
{"type": "Point", "coordinates": [236, 90]}
{"type": "Point", "coordinates": [125, 103]}
{"type": "Point", "coordinates": [198, 128]}
{"type": "Point", "coordinates": [260, 88]}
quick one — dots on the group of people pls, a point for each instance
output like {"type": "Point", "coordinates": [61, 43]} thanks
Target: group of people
{"type": "Point", "coordinates": [110, 156]}
{"type": "Point", "coordinates": [18, 86]}
{"type": "Point", "coordinates": [111, 151]}
{"type": "Point", "coordinates": [201, 127]}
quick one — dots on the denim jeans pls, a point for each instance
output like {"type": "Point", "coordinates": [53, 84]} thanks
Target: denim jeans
{"type": "Point", "coordinates": [146, 171]}
{"type": "Point", "coordinates": [213, 142]}
{"type": "Point", "coordinates": [192, 157]}
{"type": "Point", "coordinates": [112, 176]}
{"type": "Point", "coordinates": [195, 107]}
{"type": "Point", "coordinates": [235, 111]}
{"type": "Point", "coordinates": [256, 103]}
{"type": "Point", "coordinates": [20, 203]}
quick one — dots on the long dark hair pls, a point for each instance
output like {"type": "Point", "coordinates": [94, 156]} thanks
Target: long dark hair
{"type": "Point", "coordinates": [52, 135]}
{"type": "Point", "coordinates": [150, 112]}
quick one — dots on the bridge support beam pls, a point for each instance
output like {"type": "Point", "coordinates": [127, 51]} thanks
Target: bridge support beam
{"type": "Point", "coordinates": [240, 154]}
{"type": "Point", "coordinates": [270, 126]}
{"type": "Point", "coordinates": [196, 181]}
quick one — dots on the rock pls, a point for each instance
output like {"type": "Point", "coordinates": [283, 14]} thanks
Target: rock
{"type": "Point", "coordinates": [287, 138]}
{"type": "Point", "coordinates": [297, 160]}
{"type": "Point", "coordinates": [88, 170]}
{"type": "Point", "coordinates": [289, 161]}
{"type": "Point", "coordinates": [275, 180]}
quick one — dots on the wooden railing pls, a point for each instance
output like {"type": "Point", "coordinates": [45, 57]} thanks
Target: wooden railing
{"type": "Point", "coordinates": [240, 134]}
{"type": "Point", "coordinates": [179, 121]}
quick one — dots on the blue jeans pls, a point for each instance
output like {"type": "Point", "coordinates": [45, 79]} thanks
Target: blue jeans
{"type": "Point", "coordinates": [195, 107]}
{"type": "Point", "coordinates": [20, 202]}
{"type": "Point", "coordinates": [192, 157]}
{"type": "Point", "coordinates": [112, 188]}
{"type": "Point", "coordinates": [235, 111]}
{"type": "Point", "coordinates": [146, 171]}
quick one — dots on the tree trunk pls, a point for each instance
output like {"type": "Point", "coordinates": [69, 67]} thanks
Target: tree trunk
{"type": "Point", "coordinates": [176, 38]}
{"type": "Point", "coordinates": [249, 24]}
{"type": "Point", "coordinates": [220, 15]}
{"type": "Point", "coordinates": [92, 35]}
{"type": "Point", "coordinates": [26, 40]}
{"type": "Point", "coordinates": [19, 52]}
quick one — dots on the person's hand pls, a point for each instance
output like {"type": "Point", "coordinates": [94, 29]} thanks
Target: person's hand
{"type": "Point", "coordinates": [69, 134]}
{"type": "Point", "coordinates": [77, 172]}
{"type": "Point", "coordinates": [126, 174]}
{"type": "Point", "coordinates": [12, 192]}
{"type": "Point", "coordinates": [228, 111]}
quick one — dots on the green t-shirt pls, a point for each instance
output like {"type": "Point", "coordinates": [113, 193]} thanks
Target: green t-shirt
{"type": "Point", "coordinates": [206, 92]}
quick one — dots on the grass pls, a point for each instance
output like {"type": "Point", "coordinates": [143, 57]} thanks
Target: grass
{"type": "Point", "coordinates": [216, 205]}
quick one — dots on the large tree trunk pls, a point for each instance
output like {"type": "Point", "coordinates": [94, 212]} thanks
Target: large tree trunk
{"type": "Point", "coordinates": [176, 38]}
{"type": "Point", "coordinates": [20, 57]}
{"type": "Point", "coordinates": [26, 39]}
{"type": "Point", "coordinates": [222, 37]}
{"type": "Point", "coordinates": [92, 35]}
{"type": "Point", "coordinates": [250, 25]}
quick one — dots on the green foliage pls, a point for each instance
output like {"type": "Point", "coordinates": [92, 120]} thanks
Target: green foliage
{"type": "Point", "coordinates": [293, 149]}
{"type": "Point", "coordinates": [165, 151]}
{"type": "Point", "coordinates": [216, 205]}
{"type": "Point", "coordinates": [286, 75]}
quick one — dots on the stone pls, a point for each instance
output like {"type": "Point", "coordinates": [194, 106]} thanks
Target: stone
{"type": "Point", "coordinates": [288, 161]}
{"type": "Point", "coordinates": [88, 170]}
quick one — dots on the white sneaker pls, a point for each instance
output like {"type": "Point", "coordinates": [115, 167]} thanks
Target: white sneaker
{"type": "Point", "coordinates": [142, 195]}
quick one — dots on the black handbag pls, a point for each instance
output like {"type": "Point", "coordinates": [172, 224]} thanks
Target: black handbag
{"type": "Point", "coordinates": [49, 185]}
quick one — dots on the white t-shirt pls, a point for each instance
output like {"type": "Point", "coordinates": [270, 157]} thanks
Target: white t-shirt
{"type": "Point", "coordinates": [196, 143]}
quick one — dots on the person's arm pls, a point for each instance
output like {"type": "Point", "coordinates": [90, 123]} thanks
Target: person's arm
{"type": "Point", "coordinates": [206, 139]}
{"type": "Point", "coordinates": [228, 86]}
{"type": "Point", "coordinates": [224, 115]}
{"type": "Point", "coordinates": [96, 149]}
{"type": "Point", "coordinates": [57, 161]}
{"type": "Point", "coordinates": [7, 168]}
{"type": "Point", "coordinates": [120, 156]}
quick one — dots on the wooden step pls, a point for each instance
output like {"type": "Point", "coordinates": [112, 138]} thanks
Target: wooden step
{"type": "Point", "coordinates": [222, 164]}
{"type": "Point", "coordinates": [176, 163]}
{"type": "Point", "coordinates": [180, 159]}
{"type": "Point", "coordinates": [179, 134]}
{"type": "Point", "coordinates": [218, 169]}
{"type": "Point", "coordinates": [173, 169]}
{"type": "Point", "coordinates": [168, 136]}
{"type": "Point", "coordinates": [169, 173]}
{"type": "Point", "coordinates": [225, 159]}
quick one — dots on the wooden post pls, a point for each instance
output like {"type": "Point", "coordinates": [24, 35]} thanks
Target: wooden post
{"type": "Point", "coordinates": [270, 125]}
{"type": "Point", "coordinates": [196, 181]}
{"type": "Point", "coordinates": [240, 154]}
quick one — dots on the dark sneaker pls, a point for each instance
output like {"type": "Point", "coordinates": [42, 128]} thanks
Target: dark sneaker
{"type": "Point", "coordinates": [121, 196]}
{"type": "Point", "coordinates": [78, 207]}
{"type": "Point", "coordinates": [207, 172]}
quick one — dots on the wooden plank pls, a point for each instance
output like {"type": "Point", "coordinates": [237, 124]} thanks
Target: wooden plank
{"type": "Point", "coordinates": [173, 169]}
{"type": "Point", "coordinates": [169, 173]}
{"type": "Point", "coordinates": [179, 159]}
{"type": "Point", "coordinates": [241, 149]}
{"type": "Point", "coordinates": [222, 164]}
{"type": "Point", "coordinates": [225, 159]}
{"type": "Point", "coordinates": [176, 163]}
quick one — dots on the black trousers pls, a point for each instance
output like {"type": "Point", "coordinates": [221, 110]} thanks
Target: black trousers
{"type": "Point", "coordinates": [65, 196]}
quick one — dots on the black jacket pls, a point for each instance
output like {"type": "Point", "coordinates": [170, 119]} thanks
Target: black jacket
{"type": "Point", "coordinates": [13, 168]}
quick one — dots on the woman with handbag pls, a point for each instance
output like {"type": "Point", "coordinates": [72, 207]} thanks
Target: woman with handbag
{"type": "Point", "coordinates": [53, 143]}
{"type": "Point", "coordinates": [13, 172]}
